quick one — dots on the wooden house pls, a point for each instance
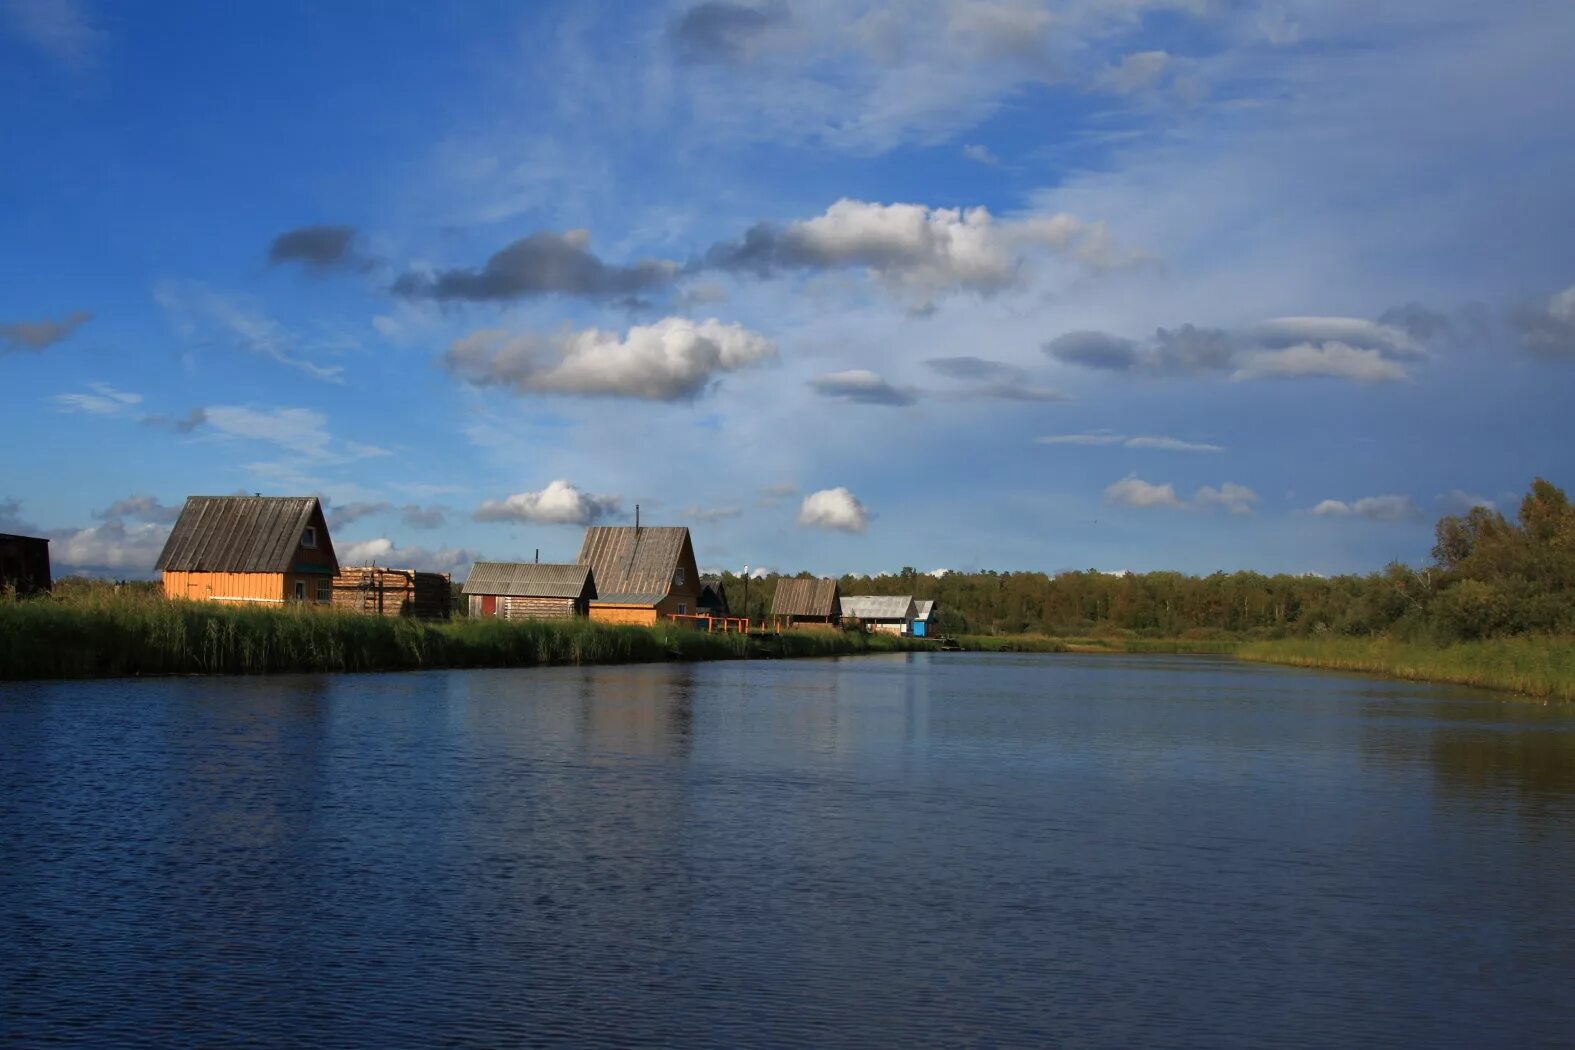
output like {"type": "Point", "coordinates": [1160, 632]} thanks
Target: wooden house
{"type": "Point", "coordinates": [923, 610]}
{"type": "Point", "coordinates": [269, 549]}
{"type": "Point", "coordinates": [642, 573]}
{"type": "Point", "coordinates": [713, 598]}
{"type": "Point", "coordinates": [892, 614]}
{"type": "Point", "coordinates": [24, 565]}
{"type": "Point", "coordinates": [806, 603]}
{"type": "Point", "coordinates": [529, 591]}
{"type": "Point", "coordinates": [378, 591]}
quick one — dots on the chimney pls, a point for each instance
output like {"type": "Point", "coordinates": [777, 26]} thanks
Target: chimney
{"type": "Point", "coordinates": [636, 517]}
{"type": "Point", "coordinates": [538, 555]}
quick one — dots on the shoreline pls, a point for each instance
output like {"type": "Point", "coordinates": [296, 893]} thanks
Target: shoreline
{"type": "Point", "coordinates": [1531, 667]}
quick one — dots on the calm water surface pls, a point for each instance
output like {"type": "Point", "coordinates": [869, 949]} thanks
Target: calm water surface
{"type": "Point", "coordinates": [913, 850]}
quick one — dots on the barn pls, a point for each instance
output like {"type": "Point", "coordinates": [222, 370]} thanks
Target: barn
{"type": "Point", "coordinates": [806, 603]}
{"type": "Point", "coordinates": [378, 591]}
{"type": "Point", "coordinates": [24, 565]}
{"type": "Point", "coordinates": [268, 549]}
{"type": "Point", "coordinates": [529, 590]}
{"type": "Point", "coordinates": [892, 614]}
{"type": "Point", "coordinates": [642, 573]}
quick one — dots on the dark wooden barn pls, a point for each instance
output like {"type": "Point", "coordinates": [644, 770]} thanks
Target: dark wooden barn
{"type": "Point", "coordinates": [529, 590]}
{"type": "Point", "coordinates": [24, 565]}
{"type": "Point", "coordinates": [713, 597]}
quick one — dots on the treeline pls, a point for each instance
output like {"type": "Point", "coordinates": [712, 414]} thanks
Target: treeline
{"type": "Point", "coordinates": [1489, 576]}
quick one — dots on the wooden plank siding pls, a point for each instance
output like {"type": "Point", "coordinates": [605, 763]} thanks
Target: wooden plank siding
{"type": "Point", "coordinates": [506, 607]}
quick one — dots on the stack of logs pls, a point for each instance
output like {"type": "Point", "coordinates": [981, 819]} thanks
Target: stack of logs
{"type": "Point", "coordinates": [377, 591]}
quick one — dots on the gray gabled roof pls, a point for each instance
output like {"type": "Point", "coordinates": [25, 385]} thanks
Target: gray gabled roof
{"type": "Point", "coordinates": [922, 609]}
{"type": "Point", "coordinates": [806, 598]}
{"type": "Point", "coordinates": [242, 534]}
{"type": "Point", "coordinates": [633, 566]}
{"type": "Point", "coordinates": [530, 580]}
{"type": "Point", "coordinates": [878, 606]}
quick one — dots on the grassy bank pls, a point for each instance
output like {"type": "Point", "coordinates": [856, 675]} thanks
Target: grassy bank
{"type": "Point", "coordinates": [1536, 666]}
{"type": "Point", "coordinates": [109, 633]}
{"type": "Point", "coordinates": [1039, 643]}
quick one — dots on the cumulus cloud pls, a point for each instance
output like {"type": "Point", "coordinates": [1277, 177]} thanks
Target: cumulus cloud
{"type": "Point", "coordinates": [861, 386]}
{"type": "Point", "coordinates": [342, 514]}
{"type": "Point", "coordinates": [418, 517]}
{"type": "Point", "coordinates": [674, 359]}
{"type": "Point", "coordinates": [1285, 348]}
{"type": "Point", "coordinates": [109, 549]}
{"type": "Point", "coordinates": [722, 31]}
{"type": "Point", "coordinates": [833, 509]}
{"type": "Point", "coordinates": [35, 335]}
{"type": "Point", "coordinates": [560, 503]}
{"type": "Point", "coordinates": [1133, 491]}
{"type": "Point", "coordinates": [1155, 442]}
{"type": "Point", "coordinates": [104, 400]}
{"type": "Point", "coordinates": [543, 263]}
{"type": "Point", "coordinates": [317, 248]}
{"type": "Point", "coordinates": [1548, 328]}
{"type": "Point", "coordinates": [1377, 508]}
{"type": "Point", "coordinates": [920, 252]}
{"type": "Point", "coordinates": [142, 508]}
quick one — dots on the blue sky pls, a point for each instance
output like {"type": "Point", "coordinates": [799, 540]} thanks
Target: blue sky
{"type": "Point", "coordinates": [1123, 284]}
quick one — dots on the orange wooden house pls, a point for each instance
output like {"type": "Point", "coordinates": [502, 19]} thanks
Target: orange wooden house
{"type": "Point", "coordinates": [269, 549]}
{"type": "Point", "coordinates": [642, 573]}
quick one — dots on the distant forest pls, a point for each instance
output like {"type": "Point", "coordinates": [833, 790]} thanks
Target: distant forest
{"type": "Point", "coordinates": [1489, 576]}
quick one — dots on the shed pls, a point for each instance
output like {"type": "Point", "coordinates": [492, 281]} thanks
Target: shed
{"type": "Point", "coordinates": [921, 617]}
{"type": "Point", "coordinates": [24, 565]}
{"type": "Point", "coordinates": [529, 590]}
{"type": "Point", "coordinates": [269, 549]}
{"type": "Point", "coordinates": [713, 598]}
{"type": "Point", "coordinates": [379, 591]}
{"type": "Point", "coordinates": [892, 614]}
{"type": "Point", "coordinates": [642, 573]}
{"type": "Point", "coordinates": [806, 603]}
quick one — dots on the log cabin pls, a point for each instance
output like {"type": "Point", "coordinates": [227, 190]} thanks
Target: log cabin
{"type": "Point", "coordinates": [642, 573]}
{"type": "Point", "coordinates": [379, 591]}
{"type": "Point", "coordinates": [267, 549]}
{"type": "Point", "coordinates": [529, 590]}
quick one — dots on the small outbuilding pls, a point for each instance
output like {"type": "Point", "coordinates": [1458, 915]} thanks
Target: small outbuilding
{"type": "Point", "coordinates": [24, 565]}
{"type": "Point", "coordinates": [642, 573]}
{"type": "Point", "coordinates": [892, 614]}
{"type": "Point", "coordinates": [713, 598]}
{"type": "Point", "coordinates": [269, 549]}
{"type": "Point", "coordinates": [921, 617]}
{"type": "Point", "coordinates": [378, 591]}
{"type": "Point", "coordinates": [529, 590]}
{"type": "Point", "coordinates": [806, 603]}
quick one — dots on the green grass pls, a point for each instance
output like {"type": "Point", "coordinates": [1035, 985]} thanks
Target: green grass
{"type": "Point", "coordinates": [104, 633]}
{"type": "Point", "coordinates": [1533, 665]}
{"type": "Point", "coordinates": [1038, 643]}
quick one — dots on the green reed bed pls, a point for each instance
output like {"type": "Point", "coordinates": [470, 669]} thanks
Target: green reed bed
{"type": "Point", "coordinates": [1036, 643]}
{"type": "Point", "coordinates": [1539, 666]}
{"type": "Point", "coordinates": [109, 633]}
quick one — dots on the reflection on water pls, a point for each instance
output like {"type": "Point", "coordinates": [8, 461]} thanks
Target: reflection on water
{"type": "Point", "coordinates": [1029, 850]}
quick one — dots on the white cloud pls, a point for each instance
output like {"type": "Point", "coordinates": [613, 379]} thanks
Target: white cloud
{"type": "Point", "coordinates": [1133, 491]}
{"type": "Point", "coordinates": [1136, 72]}
{"type": "Point", "coordinates": [862, 386]}
{"type": "Point", "coordinates": [300, 430]}
{"type": "Point", "coordinates": [1238, 499]}
{"type": "Point", "coordinates": [1332, 360]}
{"type": "Point", "coordinates": [104, 401]}
{"type": "Point", "coordinates": [1141, 441]}
{"type": "Point", "coordinates": [1378, 508]}
{"type": "Point", "coordinates": [383, 551]}
{"type": "Point", "coordinates": [113, 547]}
{"type": "Point", "coordinates": [560, 503]}
{"type": "Point", "coordinates": [1548, 328]}
{"type": "Point", "coordinates": [673, 359]}
{"type": "Point", "coordinates": [981, 154]}
{"type": "Point", "coordinates": [1458, 501]}
{"type": "Point", "coordinates": [833, 509]}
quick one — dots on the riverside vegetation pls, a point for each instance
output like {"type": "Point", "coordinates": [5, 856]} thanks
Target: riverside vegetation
{"type": "Point", "coordinates": [97, 630]}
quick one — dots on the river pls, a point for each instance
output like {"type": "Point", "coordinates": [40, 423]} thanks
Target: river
{"type": "Point", "coordinates": [922, 849]}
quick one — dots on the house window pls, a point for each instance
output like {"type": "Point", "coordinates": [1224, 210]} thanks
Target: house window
{"type": "Point", "coordinates": [678, 577]}
{"type": "Point", "coordinates": [325, 591]}
{"type": "Point", "coordinates": [309, 537]}
{"type": "Point", "coordinates": [300, 590]}
{"type": "Point", "coordinates": [682, 608]}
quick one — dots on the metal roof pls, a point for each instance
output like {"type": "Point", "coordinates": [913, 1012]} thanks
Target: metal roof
{"type": "Point", "coordinates": [806, 598]}
{"type": "Point", "coordinates": [530, 580]}
{"type": "Point", "coordinates": [922, 609]}
{"type": "Point", "coordinates": [633, 566]}
{"type": "Point", "coordinates": [878, 606]}
{"type": "Point", "coordinates": [243, 534]}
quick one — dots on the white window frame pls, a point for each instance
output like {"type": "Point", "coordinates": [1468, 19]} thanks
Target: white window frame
{"type": "Point", "coordinates": [300, 590]}
{"type": "Point", "coordinates": [309, 537]}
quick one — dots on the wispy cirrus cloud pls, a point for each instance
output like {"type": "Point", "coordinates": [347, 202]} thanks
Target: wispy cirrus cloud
{"type": "Point", "coordinates": [1155, 442]}
{"type": "Point", "coordinates": [206, 317]}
